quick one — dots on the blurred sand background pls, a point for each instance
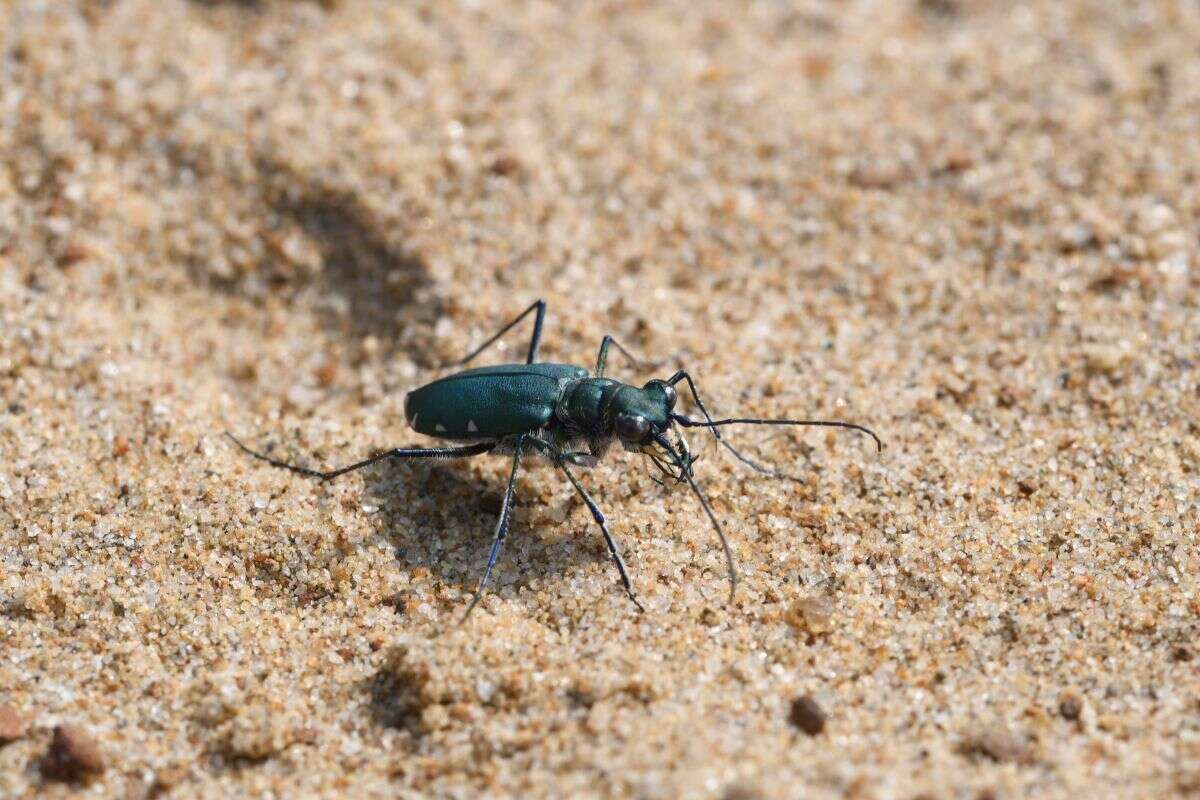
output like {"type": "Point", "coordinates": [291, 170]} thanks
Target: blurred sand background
{"type": "Point", "coordinates": [971, 225]}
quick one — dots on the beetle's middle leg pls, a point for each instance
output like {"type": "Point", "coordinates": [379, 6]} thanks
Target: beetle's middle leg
{"type": "Point", "coordinates": [501, 527]}
{"type": "Point", "coordinates": [585, 460]}
{"type": "Point", "coordinates": [602, 356]}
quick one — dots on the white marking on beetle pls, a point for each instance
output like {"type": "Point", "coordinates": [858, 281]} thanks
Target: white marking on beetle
{"type": "Point", "coordinates": [413, 421]}
{"type": "Point", "coordinates": [472, 427]}
{"type": "Point", "coordinates": [440, 428]}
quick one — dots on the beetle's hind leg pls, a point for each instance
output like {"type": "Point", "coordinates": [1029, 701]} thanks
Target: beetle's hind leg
{"type": "Point", "coordinates": [534, 342]}
{"type": "Point", "coordinates": [399, 452]}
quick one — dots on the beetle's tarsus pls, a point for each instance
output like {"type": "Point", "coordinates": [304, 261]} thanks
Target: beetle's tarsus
{"type": "Point", "coordinates": [312, 473]}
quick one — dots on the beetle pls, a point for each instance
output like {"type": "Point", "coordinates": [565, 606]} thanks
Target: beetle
{"type": "Point", "coordinates": [565, 414]}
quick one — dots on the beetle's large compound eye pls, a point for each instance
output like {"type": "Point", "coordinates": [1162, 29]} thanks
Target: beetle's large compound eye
{"type": "Point", "coordinates": [632, 428]}
{"type": "Point", "coordinates": [667, 389]}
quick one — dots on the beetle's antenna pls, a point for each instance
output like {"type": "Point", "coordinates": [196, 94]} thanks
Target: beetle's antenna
{"type": "Point", "coordinates": [688, 422]}
{"type": "Point", "coordinates": [712, 425]}
{"type": "Point", "coordinates": [751, 463]}
{"type": "Point", "coordinates": [686, 474]}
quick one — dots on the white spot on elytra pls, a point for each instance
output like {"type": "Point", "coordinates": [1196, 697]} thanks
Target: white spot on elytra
{"type": "Point", "coordinates": [440, 428]}
{"type": "Point", "coordinates": [472, 427]}
{"type": "Point", "coordinates": [413, 422]}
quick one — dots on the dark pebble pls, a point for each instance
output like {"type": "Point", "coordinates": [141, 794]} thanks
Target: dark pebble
{"type": "Point", "coordinates": [807, 715]}
{"type": "Point", "coordinates": [73, 755]}
{"type": "Point", "coordinates": [1070, 706]}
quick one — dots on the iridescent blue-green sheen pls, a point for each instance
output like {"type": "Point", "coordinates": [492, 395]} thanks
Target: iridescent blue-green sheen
{"type": "Point", "coordinates": [490, 402]}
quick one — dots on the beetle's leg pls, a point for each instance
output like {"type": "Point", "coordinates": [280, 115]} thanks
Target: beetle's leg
{"type": "Point", "coordinates": [501, 527]}
{"type": "Point", "coordinates": [399, 452]}
{"type": "Point", "coordinates": [540, 307]}
{"type": "Point", "coordinates": [585, 460]}
{"type": "Point", "coordinates": [602, 356]}
{"type": "Point", "coordinates": [598, 515]}
{"type": "Point", "coordinates": [686, 474]}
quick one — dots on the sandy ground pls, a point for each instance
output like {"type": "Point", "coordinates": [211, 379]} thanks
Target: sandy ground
{"type": "Point", "coordinates": [971, 225]}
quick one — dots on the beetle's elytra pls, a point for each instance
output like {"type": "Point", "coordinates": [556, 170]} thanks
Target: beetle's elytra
{"type": "Point", "coordinates": [571, 417]}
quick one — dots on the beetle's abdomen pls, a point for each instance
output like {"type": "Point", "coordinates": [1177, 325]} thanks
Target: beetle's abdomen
{"type": "Point", "coordinates": [489, 402]}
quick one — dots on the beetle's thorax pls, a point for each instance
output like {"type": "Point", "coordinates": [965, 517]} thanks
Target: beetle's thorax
{"type": "Point", "coordinates": [589, 407]}
{"type": "Point", "coordinates": [584, 409]}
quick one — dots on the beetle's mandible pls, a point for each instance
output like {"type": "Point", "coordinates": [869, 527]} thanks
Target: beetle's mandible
{"type": "Point", "coordinates": [562, 412]}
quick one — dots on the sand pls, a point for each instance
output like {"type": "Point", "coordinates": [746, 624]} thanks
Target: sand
{"type": "Point", "coordinates": [970, 225]}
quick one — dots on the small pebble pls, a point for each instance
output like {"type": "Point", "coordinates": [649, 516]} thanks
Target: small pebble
{"type": "Point", "coordinates": [997, 743]}
{"type": "Point", "coordinates": [1070, 706]}
{"type": "Point", "coordinates": [485, 690]}
{"type": "Point", "coordinates": [812, 613]}
{"type": "Point", "coordinates": [1104, 359]}
{"type": "Point", "coordinates": [326, 373]}
{"type": "Point", "coordinates": [1076, 237]}
{"type": "Point", "coordinates": [506, 166]}
{"type": "Point", "coordinates": [73, 755]}
{"type": "Point", "coordinates": [743, 790]}
{"type": "Point", "coordinates": [166, 779]}
{"type": "Point", "coordinates": [806, 715]}
{"type": "Point", "coordinates": [12, 724]}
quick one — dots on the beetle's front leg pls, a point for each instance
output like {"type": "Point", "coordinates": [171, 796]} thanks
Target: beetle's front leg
{"type": "Point", "coordinates": [561, 460]}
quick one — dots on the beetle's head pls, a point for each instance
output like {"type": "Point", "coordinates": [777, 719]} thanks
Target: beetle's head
{"type": "Point", "coordinates": [641, 419]}
{"type": "Point", "coordinates": [639, 415]}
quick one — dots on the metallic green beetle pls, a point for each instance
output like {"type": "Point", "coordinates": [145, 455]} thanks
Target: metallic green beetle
{"type": "Point", "coordinates": [560, 412]}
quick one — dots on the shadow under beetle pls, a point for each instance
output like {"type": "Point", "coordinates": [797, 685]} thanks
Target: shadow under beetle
{"type": "Point", "coordinates": [561, 412]}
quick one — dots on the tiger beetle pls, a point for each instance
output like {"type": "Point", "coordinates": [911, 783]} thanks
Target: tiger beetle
{"type": "Point", "coordinates": [562, 413]}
